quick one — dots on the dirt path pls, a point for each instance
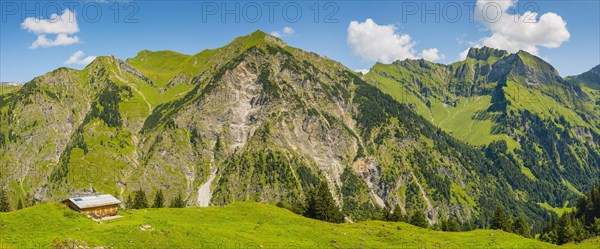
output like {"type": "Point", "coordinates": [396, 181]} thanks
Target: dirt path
{"type": "Point", "coordinates": [136, 90]}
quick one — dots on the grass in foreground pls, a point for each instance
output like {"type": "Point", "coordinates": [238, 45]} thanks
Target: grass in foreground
{"type": "Point", "coordinates": [239, 225]}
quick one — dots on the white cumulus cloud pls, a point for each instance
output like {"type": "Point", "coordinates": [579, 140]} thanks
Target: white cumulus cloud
{"type": "Point", "coordinates": [78, 58]}
{"type": "Point", "coordinates": [514, 32]}
{"type": "Point", "coordinates": [432, 54]}
{"type": "Point", "coordinates": [375, 42]}
{"type": "Point", "coordinates": [63, 26]}
{"type": "Point", "coordinates": [382, 43]}
{"type": "Point", "coordinates": [286, 31]}
{"type": "Point", "coordinates": [60, 40]}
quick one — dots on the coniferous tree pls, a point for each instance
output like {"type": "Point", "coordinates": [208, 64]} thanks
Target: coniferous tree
{"type": "Point", "coordinates": [467, 225]}
{"type": "Point", "coordinates": [396, 215]}
{"type": "Point", "coordinates": [327, 210]}
{"type": "Point", "coordinates": [521, 227]}
{"type": "Point", "coordinates": [548, 234]}
{"type": "Point", "coordinates": [386, 214]}
{"type": "Point", "coordinates": [4, 202]}
{"type": "Point", "coordinates": [581, 231]}
{"type": "Point", "coordinates": [29, 200]}
{"type": "Point", "coordinates": [321, 205]}
{"type": "Point", "coordinates": [177, 202]}
{"type": "Point", "coordinates": [20, 204]}
{"type": "Point", "coordinates": [441, 224]}
{"type": "Point", "coordinates": [129, 202]}
{"type": "Point", "coordinates": [159, 200]}
{"type": "Point", "coordinates": [452, 225]}
{"type": "Point", "coordinates": [139, 200]}
{"type": "Point", "coordinates": [311, 204]}
{"type": "Point", "coordinates": [419, 219]}
{"type": "Point", "coordinates": [565, 231]}
{"type": "Point", "coordinates": [588, 207]}
{"type": "Point", "coordinates": [500, 221]}
{"type": "Point", "coordinates": [595, 228]}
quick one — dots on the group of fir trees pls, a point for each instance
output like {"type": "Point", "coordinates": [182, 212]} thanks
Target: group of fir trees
{"type": "Point", "coordinates": [501, 221]}
{"type": "Point", "coordinates": [575, 226]}
{"type": "Point", "coordinates": [418, 218]}
{"type": "Point", "coordinates": [5, 204]}
{"type": "Point", "coordinates": [140, 201]}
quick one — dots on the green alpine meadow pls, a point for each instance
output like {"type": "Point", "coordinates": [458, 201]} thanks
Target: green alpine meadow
{"type": "Point", "coordinates": [263, 145]}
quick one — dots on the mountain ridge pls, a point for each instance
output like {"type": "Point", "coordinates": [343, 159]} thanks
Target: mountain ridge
{"type": "Point", "coordinates": [268, 121]}
{"type": "Point", "coordinates": [510, 100]}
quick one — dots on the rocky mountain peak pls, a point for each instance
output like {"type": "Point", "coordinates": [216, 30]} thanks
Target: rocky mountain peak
{"type": "Point", "coordinates": [255, 38]}
{"type": "Point", "coordinates": [534, 69]}
{"type": "Point", "coordinates": [590, 78]}
{"type": "Point", "coordinates": [484, 53]}
{"type": "Point", "coordinates": [414, 64]}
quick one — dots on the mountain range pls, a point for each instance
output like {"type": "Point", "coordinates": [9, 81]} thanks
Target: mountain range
{"type": "Point", "coordinates": [258, 120]}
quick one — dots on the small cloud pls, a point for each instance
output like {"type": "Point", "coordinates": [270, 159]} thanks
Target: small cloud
{"type": "Point", "coordinates": [363, 71]}
{"type": "Point", "coordinates": [63, 26]}
{"type": "Point", "coordinates": [77, 58]}
{"type": "Point", "coordinates": [61, 40]}
{"type": "Point", "coordinates": [287, 31]}
{"type": "Point", "coordinates": [432, 54]}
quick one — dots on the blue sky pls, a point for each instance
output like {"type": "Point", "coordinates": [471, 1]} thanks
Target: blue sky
{"type": "Point", "coordinates": [356, 33]}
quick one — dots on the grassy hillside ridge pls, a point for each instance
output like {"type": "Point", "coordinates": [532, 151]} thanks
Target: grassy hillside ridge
{"type": "Point", "coordinates": [590, 78]}
{"type": "Point", "coordinates": [241, 224]}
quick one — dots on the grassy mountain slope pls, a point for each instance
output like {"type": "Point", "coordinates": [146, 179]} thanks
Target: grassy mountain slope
{"type": "Point", "coordinates": [590, 78]}
{"type": "Point", "coordinates": [540, 130]}
{"type": "Point", "coordinates": [589, 83]}
{"type": "Point", "coordinates": [235, 225]}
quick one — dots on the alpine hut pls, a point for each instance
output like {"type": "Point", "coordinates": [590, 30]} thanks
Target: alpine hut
{"type": "Point", "coordinates": [97, 206]}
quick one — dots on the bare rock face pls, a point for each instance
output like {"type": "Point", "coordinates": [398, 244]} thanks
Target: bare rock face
{"type": "Point", "coordinates": [131, 70]}
{"type": "Point", "coordinates": [370, 171]}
